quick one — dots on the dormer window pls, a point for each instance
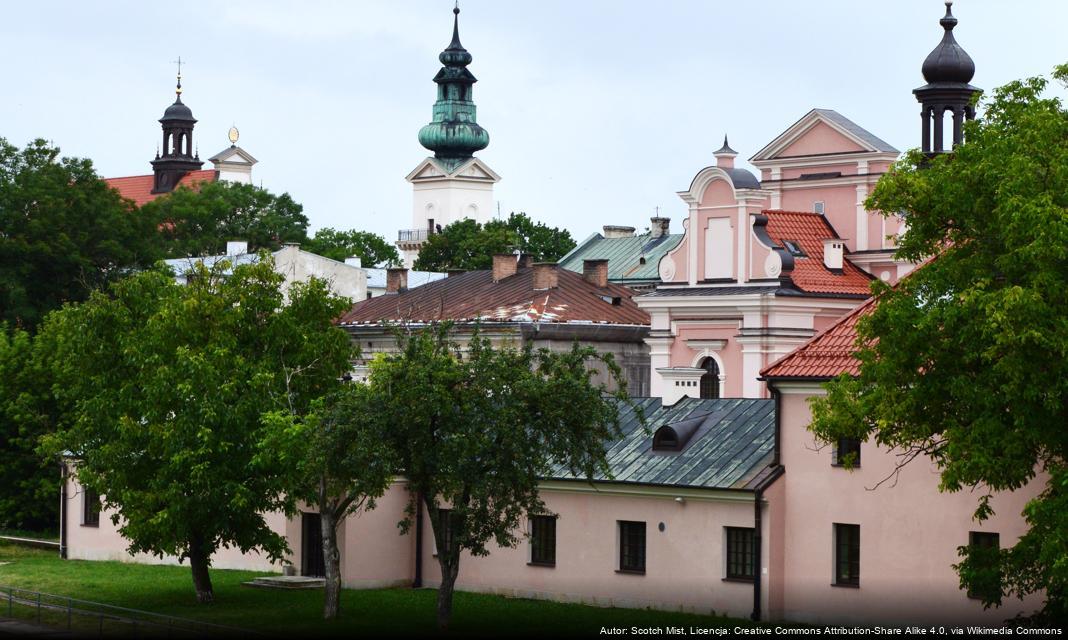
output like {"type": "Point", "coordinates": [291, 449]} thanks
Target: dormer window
{"type": "Point", "coordinates": [665, 439]}
{"type": "Point", "coordinates": [794, 247]}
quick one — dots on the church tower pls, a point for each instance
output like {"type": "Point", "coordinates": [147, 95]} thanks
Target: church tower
{"type": "Point", "coordinates": [948, 69]}
{"type": "Point", "coordinates": [179, 157]}
{"type": "Point", "coordinates": [453, 184]}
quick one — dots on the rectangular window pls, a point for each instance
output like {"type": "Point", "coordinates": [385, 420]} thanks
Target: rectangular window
{"type": "Point", "coordinates": [631, 546]}
{"type": "Point", "coordinates": [90, 507]}
{"type": "Point", "coordinates": [847, 555]}
{"type": "Point", "coordinates": [740, 553]}
{"type": "Point", "coordinates": [984, 554]}
{"type": "Point", "coordinates": [818, 207]}
{"type": "Point", "coordinates": [543, 540]}
{"type": "Point", "coordinates": [847, 452]}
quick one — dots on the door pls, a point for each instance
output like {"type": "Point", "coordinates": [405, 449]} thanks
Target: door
{"type": "Point", "coordinates": [311, 546]}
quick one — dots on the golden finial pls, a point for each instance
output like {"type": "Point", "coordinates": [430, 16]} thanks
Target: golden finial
{"type": "Point", "coordinates": [178, 90]}
{"type": "Point", "coordinates": [233, 135]}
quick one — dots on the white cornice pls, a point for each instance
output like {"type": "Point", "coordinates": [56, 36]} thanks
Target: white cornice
{"type": "Point", "coordinates": [831, 158]}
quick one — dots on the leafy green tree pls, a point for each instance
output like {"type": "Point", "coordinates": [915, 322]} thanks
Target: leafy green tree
{"type": "Point", "coordinates": [966, 360]}
{"type": "Point", "coordinates": [167, 384]}
{"type": "Point", "coordinates": [372, 249]}
{"type": "Point", "coordinates": [29, 482]}
{"type": "Point", "coordinates": [63, 232]}
{"type": "Point", "coordinates": [199, 222]}
{"type": "Point", "coordinates": [474, 434]}
{"type": "Point", "coordinates": [468, 245]}
{"type": "Point", "coordinates": [337, 463]}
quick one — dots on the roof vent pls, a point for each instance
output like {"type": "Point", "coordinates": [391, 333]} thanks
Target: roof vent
{"type": "Point", "coordinates": [675, 437]}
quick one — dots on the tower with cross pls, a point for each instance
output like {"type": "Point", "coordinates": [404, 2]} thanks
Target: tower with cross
{"type": "Point", "coordinates": [178, 156]}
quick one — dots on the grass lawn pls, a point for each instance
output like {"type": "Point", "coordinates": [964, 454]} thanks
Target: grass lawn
{"type": "Point", "coordinates": [169, 590]}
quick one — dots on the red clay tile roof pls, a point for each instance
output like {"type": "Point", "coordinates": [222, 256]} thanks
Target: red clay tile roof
{"type": "Point", "coordinates": [827, 354]}
{"type": "Point", "coordinates": [809, 230]}
{"type": "Point", "coordinates": [474, 294]}
{"type": "Point", "coordinates": [139, 188]}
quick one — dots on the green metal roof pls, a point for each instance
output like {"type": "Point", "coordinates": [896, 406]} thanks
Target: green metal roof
{"type": "Point", "coordinates": [731, 447]}
{"type": "Point", "coordinates": [624, 256]}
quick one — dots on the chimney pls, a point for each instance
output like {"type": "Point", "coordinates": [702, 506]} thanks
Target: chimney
{"type": "Point", "coordinates": [236, 247]}
{"type": "Point", "coordinates": [614, 231]}
{"type": "Point", "coordinates": [526, 260]}
{"type": "Point", "coordinates": [396, 280]}
{"type": "Point", "coordinates": [504, 265]}
{"type": "Point", "coordinates": [659, 227]}
{"type": "Point", "coordinates": [833, 250]}
{"type": "Point", "coordinates": [545, 275]}
{"type": "Point", "coordinates": [354, 261]}
{"type": "Point", "coordinates": [595, 272]}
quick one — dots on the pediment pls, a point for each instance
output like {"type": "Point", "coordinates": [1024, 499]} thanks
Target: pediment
{"type": "Point", "coordinates": [233, 155]}
{"type": "Point", "coordinates": [473, 169]}
{"type": "Point", "coordinates": [822, 132]}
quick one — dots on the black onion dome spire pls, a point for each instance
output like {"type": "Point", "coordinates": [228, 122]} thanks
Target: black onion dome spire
{"type": "Point", "coordinates": [948, 62]}
{"type": "Point", "coordinates": [948, 70]}
{"type": "Point", "coordinates": [455, 54]}
{"type": "Point", "coordinates": [725, 149]}
{"type": "Point", "coordinates": [178, 155]}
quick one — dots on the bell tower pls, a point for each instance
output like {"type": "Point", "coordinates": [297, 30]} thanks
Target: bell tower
{"type": "Point", "coordinates": [948, 69]}
{"type": "Point", "coordinates": [179, 157]}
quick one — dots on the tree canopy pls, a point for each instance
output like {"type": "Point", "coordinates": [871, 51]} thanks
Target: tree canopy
{"type": "Point", "coordinates": [475, 430]}
{"type": "Point", "coordinates": [469, 245]}
{"type": "Point", "coordinates": [200, 221]}
{"type": "Point", "coordinates": [63, 232]}
{"type": "Point", "coordinates": [166, 385]}
{"type": "Point", "coordinates": [372, 249]}
{"type": "Point", "coordinates": [966, 359]}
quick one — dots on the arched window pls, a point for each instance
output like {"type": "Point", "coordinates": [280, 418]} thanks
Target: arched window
{"type": "Point", "coordinates": [710, 379]}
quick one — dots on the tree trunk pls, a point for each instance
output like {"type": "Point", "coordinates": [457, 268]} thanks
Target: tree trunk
{"type": "Point", "coordinates": [448, 581]}
{"type": "Point", "coordinates": [198, 562]}
{"type": "Point", "coordinates": [331, 564]}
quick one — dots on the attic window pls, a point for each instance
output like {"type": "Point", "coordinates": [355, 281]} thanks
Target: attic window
{"type": "Point", "coordinates": [615, 301]}
{"type": "Point", "coordinates": [641, 260]}
{"type": "Point", "coordinates": [794, 247]}
{"type": "Point", "coordinates": [817, 207]}
{"type": "Point", "coordinates": [665, 439]}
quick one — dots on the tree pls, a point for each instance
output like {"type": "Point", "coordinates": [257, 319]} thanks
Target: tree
{"type": "Point", "coordinates": [966, 359]}
{"type": "Point", "coordinates": [199, 221]}
{"type": "Point", "coordinates": [372, 249]}
{"type": "Point", "coordinates": [63, 232]}
{"type": "Point", "coordinates": [338, 464]}
{"type": "Point", "coordinates": [468, 245]}
{"type": "Point", "coordinates": [474, 434]}
{"type": "Point", "coordinates": [29, 482]}
{"type": "Point", "coordinates": [167, 384]}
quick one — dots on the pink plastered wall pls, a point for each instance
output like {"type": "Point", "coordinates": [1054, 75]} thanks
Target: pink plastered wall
{"type": "Point", "coordinates": [103, 542]}
{"type": "Point", "coordinates": [909, 534]}
{"type": "Point", "coordinates": [730, 356]}
{"type": "Point", "coordinates": [820, 139]}
{"type": "Point", "coordinates": [685, 563]}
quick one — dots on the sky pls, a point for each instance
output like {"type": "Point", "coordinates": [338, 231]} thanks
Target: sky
{"type": "Point", "coordinates": [598, 111]}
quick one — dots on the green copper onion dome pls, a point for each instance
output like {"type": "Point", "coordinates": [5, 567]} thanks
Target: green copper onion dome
{"type": "Point", "coordinates": [453, 134]}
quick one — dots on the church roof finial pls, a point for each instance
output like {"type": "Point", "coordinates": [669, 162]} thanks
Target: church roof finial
{"type": "Point", "coordinates": [725, 149]}
{"type": "Point", "coordinates": [948, 62]}
{"type": "Point", "coordinates": [178, 89]}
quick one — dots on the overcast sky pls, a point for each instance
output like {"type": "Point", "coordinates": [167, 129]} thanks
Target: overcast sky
{"type": "Point", "coordinates": [598, 111]}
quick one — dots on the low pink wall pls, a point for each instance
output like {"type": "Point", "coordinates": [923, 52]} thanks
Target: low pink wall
{"type": "Point", "coordinates": [909, 534]}
{"type": "Point", "coordinates": [104, 542]}
{"type": "Point", "coordinates": [685, 563]}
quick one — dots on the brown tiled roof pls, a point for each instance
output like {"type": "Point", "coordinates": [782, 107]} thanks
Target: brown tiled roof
{"type": "Point", "coordinates": [827, 354]}
{"type": "Point", "coordinates": [139, 188]}
{"type": "Point", "coordinates": [809, 230]}
{"type": "Point", "coordinates": [474, 295]}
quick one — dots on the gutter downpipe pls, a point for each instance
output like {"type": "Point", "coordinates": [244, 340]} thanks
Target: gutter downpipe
{"type": "Point", "coordinates": [63, 509]}
{"type": "Point", "coordinates": [758, 524]}
{"type": "Point", "coordinates": [417, 583]}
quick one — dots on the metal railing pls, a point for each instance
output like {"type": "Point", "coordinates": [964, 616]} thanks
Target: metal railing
{"type": "Point", "coordinates": [413, 235]}
{"type": "Point", "coordinates": [84, 617]}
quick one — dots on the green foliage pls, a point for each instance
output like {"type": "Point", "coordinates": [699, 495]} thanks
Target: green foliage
{"type": "Point", "coordinates": [199, 222]}
{"type": "Point", "coordinates": [372, 249]}
{"type": "Point", "coordinates": [475, 430]}
{"type": "Point", "coordinates": [29, 482]}
{"type": "Point", "coordinates": [966, 360]}
{"type": "Point", "coordinates": [166, 385]}
{"type": "Point", "coordinates": [63, 232]}
{"type": "Point", "coordinates": [470, 246]}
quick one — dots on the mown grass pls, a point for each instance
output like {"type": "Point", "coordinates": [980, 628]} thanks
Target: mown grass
{"type": "Point", "coordinates": [394, 612]}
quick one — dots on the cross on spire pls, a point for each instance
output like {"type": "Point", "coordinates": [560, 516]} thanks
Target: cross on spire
{"type": "Point", "coordinates": [178, 90]}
